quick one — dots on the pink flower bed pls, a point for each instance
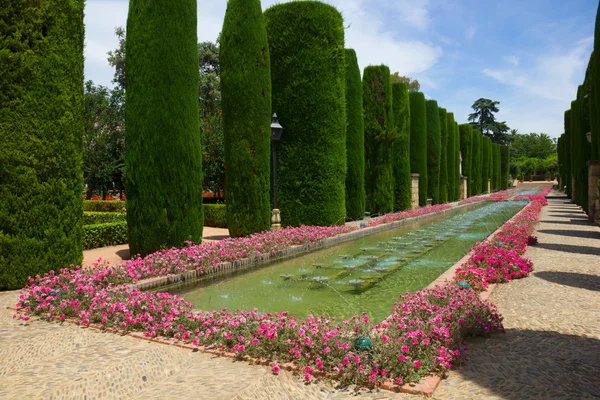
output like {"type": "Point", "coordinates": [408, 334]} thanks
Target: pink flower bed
{"type": "Point", "coordinates": [422, 336]}
{"type": "Point", "coordinates": [384, 219]}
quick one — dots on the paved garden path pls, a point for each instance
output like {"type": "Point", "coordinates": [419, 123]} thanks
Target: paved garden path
{"type": "Point", "coordinates": [551, 349]}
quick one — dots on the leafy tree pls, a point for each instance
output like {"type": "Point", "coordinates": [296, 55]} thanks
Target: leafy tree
{"type": "Point", "coordinates": [412, 84]}
{"type": "Point", "coordinates": [116, 58]}
{"type": "Point", "coordinates": [533, 145]}
{"type": "Point", "coordinates": [484, 120]}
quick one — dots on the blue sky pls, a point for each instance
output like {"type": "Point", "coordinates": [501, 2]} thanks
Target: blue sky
{"type": "Point", "coordinates": [529, 54]}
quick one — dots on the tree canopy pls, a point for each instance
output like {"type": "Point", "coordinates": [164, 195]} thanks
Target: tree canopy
{"type": "Point", "coordinates": [412, 84]}
{"type": "Point", "coordinates": [484, 120]}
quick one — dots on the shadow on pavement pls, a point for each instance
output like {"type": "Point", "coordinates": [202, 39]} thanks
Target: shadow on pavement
{"type": "Point", "coordinates": [573, 233]}
{"type": "Point", "coordinates": [527, 364]}
{"type": "Point", "coordinates": [568, 248]}
{"type": "Point", "coordinates": [584, 222]}
{"type": "Point", "coordinates": [124, 254]}
{"type": "Point", "coordinates": [582, 281]}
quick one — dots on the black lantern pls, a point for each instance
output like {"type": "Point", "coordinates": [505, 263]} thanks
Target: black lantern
{"type": "Point", "coordinates": [276, 128]}
{"type": "Point", "coordinates": [276, 131]}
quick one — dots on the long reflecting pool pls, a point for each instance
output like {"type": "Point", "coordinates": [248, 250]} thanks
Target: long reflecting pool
{"type": "Point", "coordinates": [364, 275]}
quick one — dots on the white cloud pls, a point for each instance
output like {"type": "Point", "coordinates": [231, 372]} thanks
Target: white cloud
{"type": "Point", "coordinates": [470, 33]}
{"type": "Point", "coordinates": [415, 13]}
{"type": "Point", "coordinates": [514, 60]}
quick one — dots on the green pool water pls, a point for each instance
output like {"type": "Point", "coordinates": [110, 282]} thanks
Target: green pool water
{"type": "Point", "coordinates": [363, 275]}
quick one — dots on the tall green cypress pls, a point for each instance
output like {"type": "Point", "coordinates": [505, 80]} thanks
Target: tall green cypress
{"type": "Point", "coordinates": [568, 144]}
{"type": "Point", "coordinates": [41, 131]}
{"type": "Point", "coordinates": [594, 120]}
{"type": "Point", "coordinates": [450, 158]}
{"type": "Point", "coordinates": [163, 158]}
{"type": "Point", "coordinates": [434, 149]}
{"type": "Point", "coordinates": [355, 142]}
{"type": "Point", "coordinates": [496, 166]}
{"type": "Point", "coordinates": [577, 145]}
{"type": "Point", "coordinates": [418, 142]}
{"type": "Point", "coordinates": [466, 145]}
{"type": "Point", "coordinates": [246, 79]}
{"type": "Point", "coordinates": [380, 135]}
{"type": "Point", "coordinates": [444, 156]}
{"type": "Point", "coordinates": [476, 162]}
{"type": "Point", "coordinates": [402, 177]}
{"type": "Point", "coordinates": [596, 81]}
{"type": "Point", "coordinates": [583, 99]}
{"type": "Point", "coordinates": [306, 41]}
{"type": "Point", "coordinates": [504, 166]}
{"type": "Point", "coordinates": [485, 163]}
{"type": "Point", "coordinates": [560, 147]}
{"type": "Point", "coordinates": [457, 163]}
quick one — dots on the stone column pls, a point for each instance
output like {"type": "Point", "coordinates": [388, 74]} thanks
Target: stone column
{"type": "Point", "coordinates": [414, 190]}
{"type": "Point", "coordinates": [463, 187]}
{"type": "Point", "coordinates": [489, 186]}
{"type": "Point", "coordinates": [572, 189]}
{"type": "Point", "coordinates": [593, 175]}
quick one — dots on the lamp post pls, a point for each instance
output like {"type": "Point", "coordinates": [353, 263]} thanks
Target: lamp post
{"type": "Point", "coordinates": [276, 130]}
{"type": "Point", "coordinates": [589, 137]}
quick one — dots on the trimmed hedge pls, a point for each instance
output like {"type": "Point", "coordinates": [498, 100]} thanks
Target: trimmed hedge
{"type": "Point", "coordinates": [102, 235]}
{"type": "Point", "coordinates": [104, 205]}
{"type": "Point", "coordinates": [355, 139]}
{"type": "Point", "coordinates": [402, 177]}
{"type": "Point", "coordinates": [41, 131]}
{"type": "Point", "coordinates": [93, 217]}
{"type": "Point", "coordinates": [466, 143]}
{"type": "Point", "coordinates": [380, 135]}
{"type": "Point", "coordinates": [434, 149]}
{"type": "Point", "coordinates": [504, 167]}
{"type": "Point", "coordinates": [163, 158]}
{"type": "Point", "coordinates": [457, 173]}
{"type": "Point", "coordinates": [496, 166]}
{"type": "Point", "coordinates": [215, 215]}
{"type": "Point", "coordinates": [583, 99]}
{"type": "Point", "coordinates": [568, 164]}
{"type": "Point", "coordinates": [476, 162]}
{"type": "Point", "coordinates": [444, 156]}
{"type": "Point", "coordinates": [596, 82]}
{"type": "Point", "coordinates": [486, 153]}
{"type": "Point", "coordinates": [418, 142]}
{"type": "Point", "coordinates": [451, 157]}
{"type": "Point", "coordinates": [246, 102]}
{"type": "Point", "coordinates": [306, 40]}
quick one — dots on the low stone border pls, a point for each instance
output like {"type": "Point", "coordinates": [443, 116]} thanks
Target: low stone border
{"type": "Point", "coordinates": [226, 268]}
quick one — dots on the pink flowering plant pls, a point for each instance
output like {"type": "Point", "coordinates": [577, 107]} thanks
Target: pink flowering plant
{"type": "Point", "coordinates": [423, 335]}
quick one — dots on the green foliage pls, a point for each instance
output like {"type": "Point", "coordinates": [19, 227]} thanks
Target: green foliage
{"type": "Point", "coordinates": [476, 166]}
{"type": "Point", "coordinates": [163, 159]}
{"type": "Point", "coordinates": [401, 159]}
{"type": "Point", "coordinates": [504, 166]}
{"type": "Point", "coordinates": [104, 205]}
{"type": "Point", "coordinates": [444, 157]}
{"type": "Point", "coordinates": [94, 217]}
{"type": "Point", "coordinates": [485, 163]}
{"type": "Point", "coordinates": [41, 132]}
{"type": "Point", "coordinates": [104, 234]}
{"type": "Point", "coordinates": [484, 120]}
{"type": "Point", "coordinates": [418, 142]}
{"type": "Point", "coordinates": [434, 149]}
{"type": "Point", "coordinates": [306, 40]}
{"type": "Point", "coordinates": [466, 146]}
{"type": "Point", "coordinates": [246, 90]}
{"type": "Point", "coordinates": [495, 166]}
{"type": "Point", "coordinates": [568, 153]}
{"type": "Point", "coordinates": [457, 163]}
{"type": "Point", "coordinates": [450, 149]}
{"type": "Point", "coordinates": [355, 142]}
{"type": "Point", "coordinates": [215, 215]}
{"type": "Point", "coordinates": [532, 145]}
{"type": "Point", "coordinates": [380, 135]}
{"type": "Point", "coordinates": [413, 85]}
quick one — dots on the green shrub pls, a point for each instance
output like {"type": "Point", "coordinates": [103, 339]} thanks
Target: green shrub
{"type": "Point", "coordinates": [104, 205]}
{"type": "Point", "coordinates": [444, 156]}
{"type": "Point", "coordinates": [215, 215]}
{"type": "Point", "coordinates": [504, 167]}
{"type": "Point", "coordinates": [451, 156]}
{"type": "Point", "coordinates": [306, 40]}
{"type": "Point", "coordinates": [163, 158]}
{"type": "Point", "coordinates": [485, 163]}
{"type": "Point", "coordinates": [93, 217]}
{"type": "Point", "coordinates": [434, 149]}
{"type": "Point", "coordinates": [402, 177]}
{"type": "Point", "coordinates": [595, 81]}
{"type": "Point", "coordinates": [418, 142]}
{"type": "Point", "coordinates": [457, 164]}
{"type": "Point", "coordinates": [246, 101]}
{"type": "Point", "coordinates": [569, 153]}
{"type": "Point", "coordinates": [476, 163]}
{"type": "Point", "coordinates": [496, 166]}
{"type": "Point", "coordinates": [41, 133]}
{"type": "Point", "coordinates": [380, 135]}
{"type": "Point", "coordinates": [466, 145]}
{"type": "Point", "coordinates": [355, 139]}
{"type": "Point", "coordinates": [102, 235]}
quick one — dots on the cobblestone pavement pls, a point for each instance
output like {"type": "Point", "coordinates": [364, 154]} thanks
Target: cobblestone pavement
{"type": "Point", "coordinates": [551, 349]}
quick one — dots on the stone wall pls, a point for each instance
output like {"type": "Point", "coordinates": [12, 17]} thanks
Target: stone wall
{"type": "Point", "coordinates": [463, 187]}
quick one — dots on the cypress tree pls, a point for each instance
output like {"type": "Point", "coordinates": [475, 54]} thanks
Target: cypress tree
{"type": "Point", "coordinates": [466, 143]}
{"type": "Point", "coordinates": [485, 163]}
{"type": "Point", "coordinates": [457, 163]}
{"type": "Point", "coordinates": [560, 147]}
{"type": "Point", "coordinates": [418, 142]}
{"type": "Point", "coordinates": [568, 144]}
{"type": "Point", "coordinates": [402, 178]}
{"type": "Point", "coordinates": [434, 149]}
{"type": "Point", "coordinates": [596, 82]}
{"type": "Point", "coordinates": [41, 133]}
{"type": "Point", "coordinates": [476, 162]}
{"type": "Point", "coordinates": [444, 156]}
{"type": "Point", "coordinates": [450, 157]}
{"type": "Point", "coordinates": [496, 166]}
{"type": "Point", "coordinates": [583, 99]}
{"type": "Point", "coordinates": [163, 158]}
{"type": "Point", "coordinates": [380, 135]}
{"type": "Point", "coordinates": [306, 41]}
{"type": "Point", "coordinates": [355, 143]}
{"type": "Point", "coordinates": [504, 166]}
{"type": "Point", "coordinates": [246, 79]}
{"type": "Point", "coordinates": [577, 144]}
